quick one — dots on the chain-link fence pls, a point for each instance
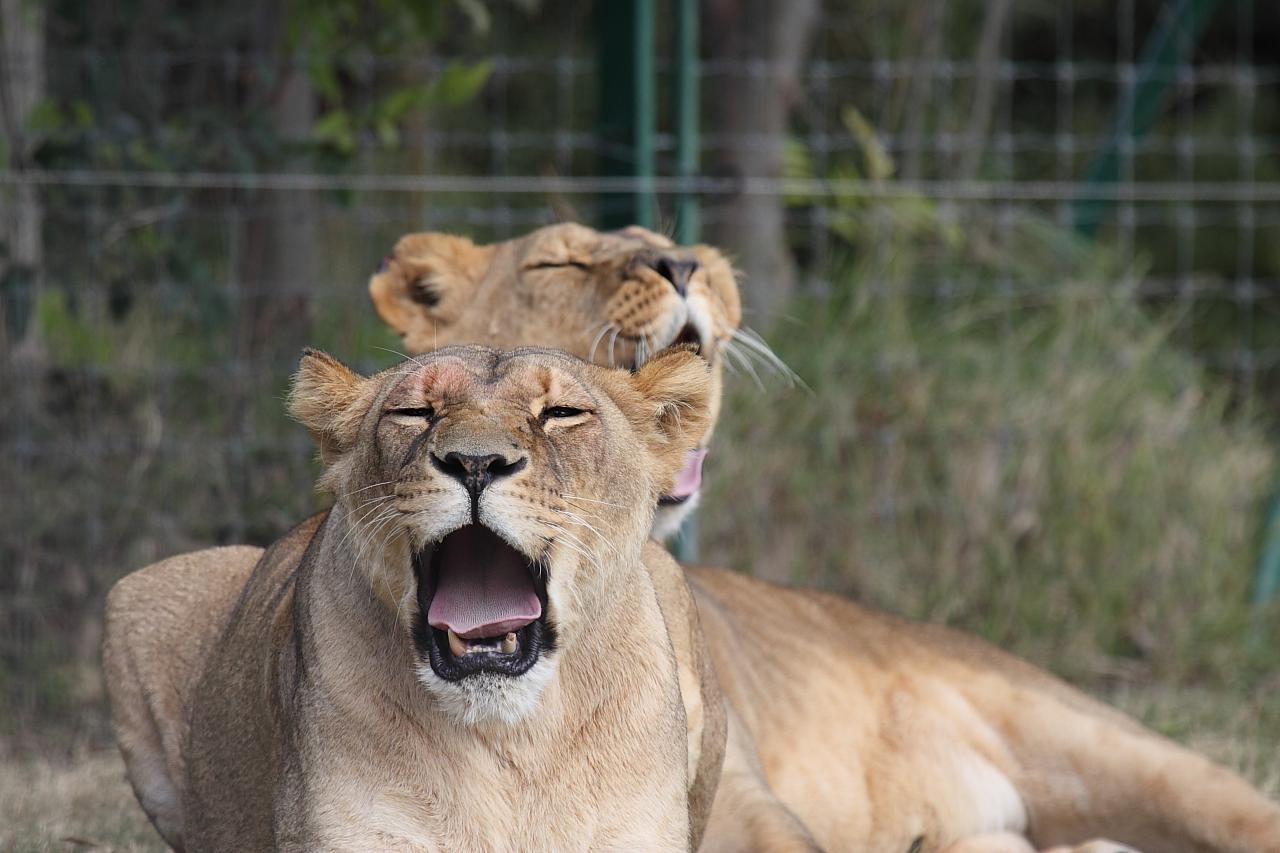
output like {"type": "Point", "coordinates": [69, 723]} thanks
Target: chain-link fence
{"type": "Point", "coordinates": [1024, 254]}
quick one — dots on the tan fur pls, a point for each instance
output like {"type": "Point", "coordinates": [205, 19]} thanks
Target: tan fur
{"type": "Point", "coordinates": [289, 711]}
{"type": "Point", "coordinates": [592, 294]}
{"type": "Point", "coordinates": [883, 735]}
{"type": "Point", "coordinates": [161, 624]}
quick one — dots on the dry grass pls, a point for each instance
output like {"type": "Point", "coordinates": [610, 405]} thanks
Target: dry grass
{"type": "Point", "coordinates": [88, 805]}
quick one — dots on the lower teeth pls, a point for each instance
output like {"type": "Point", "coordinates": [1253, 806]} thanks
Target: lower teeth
{"type": "Point", "coordinates": [460, 647]}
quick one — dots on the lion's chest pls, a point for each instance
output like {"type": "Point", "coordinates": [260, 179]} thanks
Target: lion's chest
{"type": "Point", "coordinates": [491, 800]}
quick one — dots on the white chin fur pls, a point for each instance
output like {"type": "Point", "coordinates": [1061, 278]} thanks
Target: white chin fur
{"type": "Point", "coordinates": [487, 697]}
{"type": "Point", "coordinates": [667, 519]}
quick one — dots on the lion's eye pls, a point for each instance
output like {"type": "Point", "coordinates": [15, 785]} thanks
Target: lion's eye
{"type": "Point", "coordinates": [562, 412]}
{"type": "Point", "coordinates": [414, 412]}
{"type": "Point", "coordinates": [552, 265]}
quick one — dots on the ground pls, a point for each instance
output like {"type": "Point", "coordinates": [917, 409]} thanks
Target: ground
{"type": "Point", "coordinates": [87, 805]}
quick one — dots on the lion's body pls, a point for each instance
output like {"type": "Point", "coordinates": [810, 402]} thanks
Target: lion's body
{"type": "Point", "coordinates": [162, 623]}
{"type": "Point", "coordinates": [884, 735]}
{"type": "Point", "coordinates": [357, 760]}
{"type": "Point", "coordinates": [870, 732]}
{"type": "Point", "coordinates": [280, 704]}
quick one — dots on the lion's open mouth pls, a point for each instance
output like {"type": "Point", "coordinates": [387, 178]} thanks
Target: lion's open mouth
{"type": "Point", "coordinates": [482, 606]}
{"type": "Point", "coordinates": [690, 335]}
{"type": "Point", "coordinates": [688, 480]}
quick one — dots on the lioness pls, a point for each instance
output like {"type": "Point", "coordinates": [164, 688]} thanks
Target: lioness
{"type": "Point", "coordinates": [614, 298]}
{"type": "Point", "coordinates": [885, 735]}
{"type": "Point", "coordinates": [474, 649]}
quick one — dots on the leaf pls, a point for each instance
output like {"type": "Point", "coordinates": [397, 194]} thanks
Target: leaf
{"type": "Point", "coordinates": [46, 118]}
{"type": "Point", "coordinates": [335, 130]}
{"type": "Point", "coordinates": [388, 133]}
{"type": "Point", "coordinates": [880, 166]}
{"type": "Point", "coordinates": [460, 82]}
{"type": "Point", "coordinates": [398, 104]}
{"type": "Point", "coordinates": [324, 77]}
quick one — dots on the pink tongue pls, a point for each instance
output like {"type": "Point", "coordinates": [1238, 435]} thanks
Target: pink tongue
{"type": "Point", "coordinates": [690, 476]}
{"type": "Point", "coordinates": [484, 588]}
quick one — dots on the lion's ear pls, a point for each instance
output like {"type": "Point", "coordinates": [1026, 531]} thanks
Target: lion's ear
{"type": "Point", "coordinates": [330, 400]}
{"type": "Point", "coordinates": [675, 387]}
{"type": "Point", "coordinates": [425, 278]}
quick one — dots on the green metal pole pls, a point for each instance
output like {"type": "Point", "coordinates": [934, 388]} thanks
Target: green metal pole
{"type": "Point", "coordinates": [1170, 43]}
{"type": "Point", "coordinates": [1267, 577]}
{"type": "Point", "coordinates": [627, 108]}
{"type": "Point", "coordinates": [687, 102]}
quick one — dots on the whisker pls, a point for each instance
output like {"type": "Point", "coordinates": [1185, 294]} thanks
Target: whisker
{"type": "Point", "coordinates": [357, 518]}
{"type": "Point", "coordinates": [582, 522]}
{"type": "Point", "coordinates": [604, 330]}
{"type": "Point", "coordinates": [754, 343]}
{"type": "Point", "coordinates": [732, 356]}
{"type": "Point", "coordinates": [574, 544]}
{"type": "Point", "coordinates": [373, 528]}
{"type": "Point", "coordinates": [367, 488]}
{"type": "Point", "coordinates": [378, 500]}
{"type": "Point", "coordinates": [748, 365]}
{"type": "Point", "coordinates": [589, 500]}
{"type": "Point", "coordinates": [613, 340]}
{"type": "Point", "coordinates": [394, 352]}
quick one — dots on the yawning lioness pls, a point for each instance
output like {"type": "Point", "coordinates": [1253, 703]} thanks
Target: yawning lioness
{"type": "Point", "coordinates": [475, 649]}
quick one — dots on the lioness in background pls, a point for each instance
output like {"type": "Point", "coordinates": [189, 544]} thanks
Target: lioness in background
{"type": "Point", "coordinates": [448, 659]}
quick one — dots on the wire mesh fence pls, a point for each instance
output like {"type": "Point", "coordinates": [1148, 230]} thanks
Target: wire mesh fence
{"type": "Point", "coordinates": [987, 234]}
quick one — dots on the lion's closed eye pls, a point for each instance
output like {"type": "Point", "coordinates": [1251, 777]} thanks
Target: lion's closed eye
{"type": "Point", "coordinates": [563, 416]}
{"type": "Point", "coordinates": [551, 265]}
{"type": "Point", "coordinates": [412, 414]}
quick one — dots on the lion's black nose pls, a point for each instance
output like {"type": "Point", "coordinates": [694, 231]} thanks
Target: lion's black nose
{"type": "Point", "coordinates": [678, 271]}
{"type": "Point", "coordinates": [477, 472]}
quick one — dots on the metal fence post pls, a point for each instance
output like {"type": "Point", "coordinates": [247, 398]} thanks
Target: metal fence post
{"type": "Point", "coordinates": [626, 115]}
{"type": "Point", "coordinates": [687, 102]}
{"type": "Point", "coordinates": [1170, 45]}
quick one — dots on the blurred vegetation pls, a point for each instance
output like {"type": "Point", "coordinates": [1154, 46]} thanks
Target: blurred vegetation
{"type": "Point", "coordinates": [1025, 452]}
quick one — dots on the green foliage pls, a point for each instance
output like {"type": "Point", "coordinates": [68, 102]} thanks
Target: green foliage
{"type": "Point", "coordinates": [342, 41]}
